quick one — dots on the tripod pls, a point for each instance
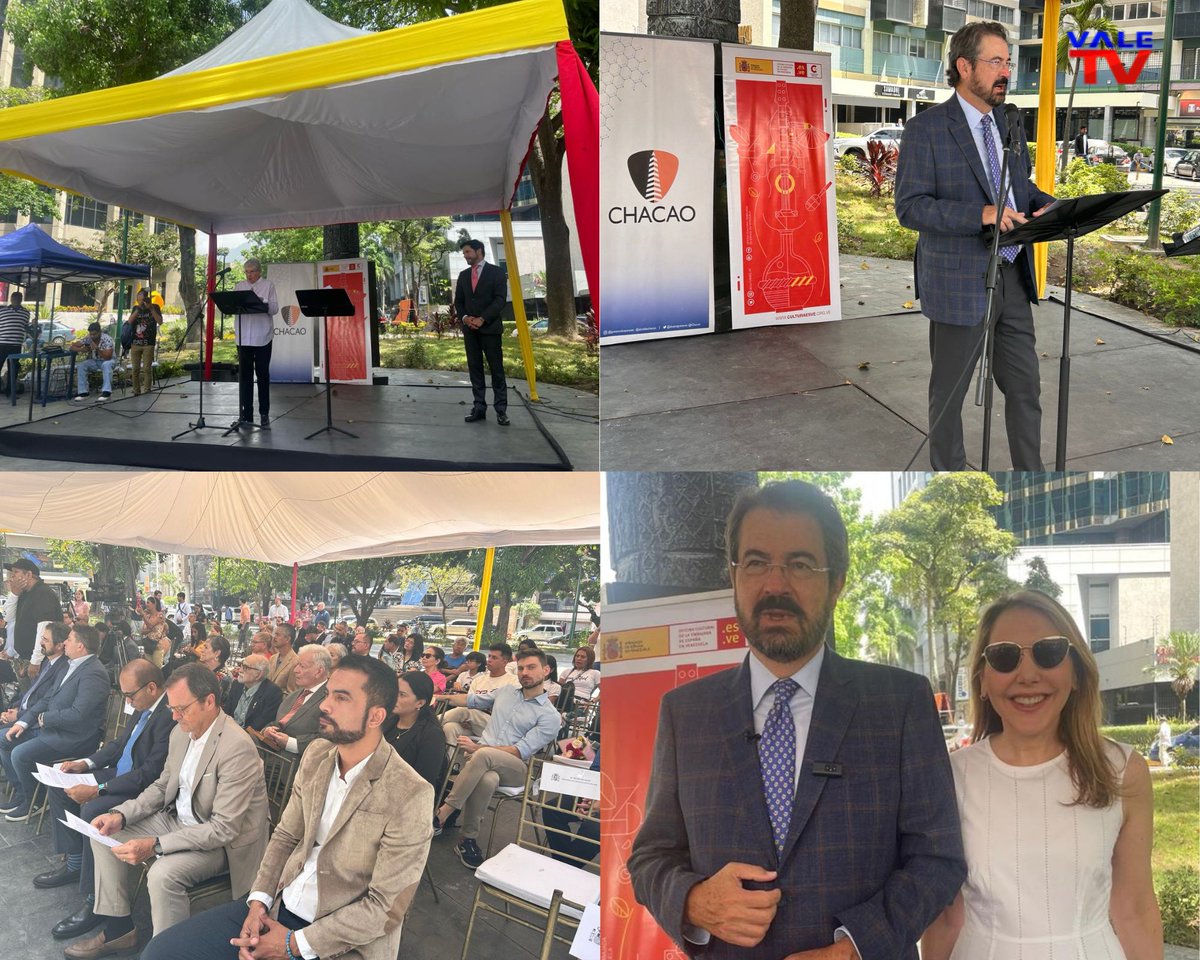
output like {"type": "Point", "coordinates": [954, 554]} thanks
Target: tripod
{"type": "Point", "coordinates": [197, 424]}
{"type": "Point", "coordinates": [326, 304]}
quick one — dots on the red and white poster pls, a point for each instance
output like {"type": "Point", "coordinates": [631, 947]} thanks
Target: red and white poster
{"type": "Point", "coordinates": [349, 337]}
{"type": "Point", "coordinates": [779, 170]}
{"type": "Point", "coordinates": [649, 647]}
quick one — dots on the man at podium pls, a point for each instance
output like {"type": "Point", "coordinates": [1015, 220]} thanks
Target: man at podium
{"type": "Point", "coordinates": [254, 332]}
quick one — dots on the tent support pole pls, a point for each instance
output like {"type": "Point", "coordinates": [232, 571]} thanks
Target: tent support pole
{"type": "Point", "coordinates": [121, 283]}
{"type": "Point", "coordinates": [518, 302]}
{"type": "Point", "coordinates": [295, 578]}
{"type": "Point", "coordinates": [211, 308]}
{"type": "Point", "coordinates": [485, 591]}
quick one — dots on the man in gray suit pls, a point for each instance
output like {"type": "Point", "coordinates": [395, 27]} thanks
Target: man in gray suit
{"type": "Point", "coordinates": [296, 725]}
{"type": "Point", "coordinates": [947, 186]}
{"type": "Point", "coordinates": [68, 723]}
{"type": "Point", "coordinates": [205, 814]}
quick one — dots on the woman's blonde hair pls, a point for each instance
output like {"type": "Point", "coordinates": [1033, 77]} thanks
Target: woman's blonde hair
{"type": "Point", "coordinates": [1097, 784]}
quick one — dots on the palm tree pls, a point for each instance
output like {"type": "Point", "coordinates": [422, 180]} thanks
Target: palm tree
{"type": "Point", "coordinates": [1080, 16]}
{"type": "Point", "coordinates": [1180, 664]}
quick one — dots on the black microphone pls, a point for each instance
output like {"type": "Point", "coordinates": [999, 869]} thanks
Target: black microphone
{"type": "Point", "coordinates": [1015, 122]}
{"type": "Point", "coordinates": [751, 737]}
{"type": "Point", "coordinates": [221, 273]}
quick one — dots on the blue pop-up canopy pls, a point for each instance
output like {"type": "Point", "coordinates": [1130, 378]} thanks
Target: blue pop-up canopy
{"type": "Point", "coordinates": [30, 255]}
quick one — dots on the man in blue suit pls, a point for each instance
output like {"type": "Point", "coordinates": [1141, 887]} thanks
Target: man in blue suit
{"type": "Point", "coordinates": [947, 186]}
{"type": "Point", "coordinates": [801, 805]}
{"type": "Point", "coordinates": [67, 724]}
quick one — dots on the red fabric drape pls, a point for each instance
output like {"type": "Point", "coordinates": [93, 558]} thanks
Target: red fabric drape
{"type": "Point", "coordinates": [211, 309]}
{"type": "Point", "coordinates": [581, 129]}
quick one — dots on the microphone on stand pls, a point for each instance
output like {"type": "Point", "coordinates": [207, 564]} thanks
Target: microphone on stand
{"type": "Point", "coordinates": [1015, 121]}
{"type": "Point", "coordinates": [221, 273]}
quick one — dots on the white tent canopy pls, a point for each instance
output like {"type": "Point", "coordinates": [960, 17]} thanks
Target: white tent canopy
{"type": "Point", "coordinates": [296, 120]}
{"type": "Point", "coordinates": [304, 517]}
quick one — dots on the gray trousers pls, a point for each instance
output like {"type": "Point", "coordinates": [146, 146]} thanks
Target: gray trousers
{"type": "Point", "coordinates": [954, 351]}
{"type": "Point", "coordinates": [477, 781]}
{"type": "Point", "coordinates": [464, 722]}
{"type": "Point", "coordinates": [168, 879]}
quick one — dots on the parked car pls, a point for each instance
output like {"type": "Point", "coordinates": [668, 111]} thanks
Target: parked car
{"type": "Point", "coordinates": [889, 136]}
{"type": "Point", "coordinates": [1189, 166]}
{"type": "Point", "coordinates": [460, 628]}
{"type": "Point", "coordinates": [51, 333]}
{"type": "Point", "coordinates": [542, 632]}
{"type": "Point", "coordinates": [1188, 743]}
{"type": "Point", "coordinates": [538, 327]}
{"type": "Point", "coordinates": [424, 622]}
{"type": "Point", "coordinates": [1171, 156]}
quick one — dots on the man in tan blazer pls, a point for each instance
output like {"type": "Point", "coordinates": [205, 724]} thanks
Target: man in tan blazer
{"type": "Point", "coordinates": [352, 828]}
{"type": "Point", "coordinates": [205, 815]}
{"type": "Point", "coordinates": [295, 725]}
{"type": "Point", "coordinates": [281, 665]}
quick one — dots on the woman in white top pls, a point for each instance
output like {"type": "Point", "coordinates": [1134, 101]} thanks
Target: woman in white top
{"type": "Point", "coordinates": [1057, 821]}
{"type": "Point", "coordinates": [583, 673]}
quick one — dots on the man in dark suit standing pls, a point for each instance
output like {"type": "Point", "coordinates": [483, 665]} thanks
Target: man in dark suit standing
{"type": "Point", "coordinates": [123, 768]}
{"type": "Point", "coordinates": [37, 602]}
{"type": "Point", "coordinates": [479, 299]}
{"type": "Point", "coordinates": [947, 186]}
{"type": "Point", "coordinates": [801, 805]}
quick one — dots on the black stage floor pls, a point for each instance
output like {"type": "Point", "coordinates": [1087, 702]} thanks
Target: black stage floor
{"type": "Point", "coordinates": [400, 426]}
{"type": "Point", "coordinates": [852, 395]}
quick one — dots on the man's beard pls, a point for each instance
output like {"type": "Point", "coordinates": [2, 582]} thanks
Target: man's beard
{"type": "Point", "coordinates": [784, 643]}
{"type": "Point", "coordinates": [335, 734]}
{"type": "Point", "coordinates": [988, 93]}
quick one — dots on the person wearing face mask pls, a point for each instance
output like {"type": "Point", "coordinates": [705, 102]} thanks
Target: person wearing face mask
{"type": "Point", "coordinates": [1057, 821]}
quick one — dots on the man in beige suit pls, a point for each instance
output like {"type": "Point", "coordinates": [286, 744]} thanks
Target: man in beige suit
{"type": "Point", "coordinates": [295, 726]}
{"type": "Point", "coordinates": [283, 662]}
{"type": "Point", "coordinates": [354, 821]}
{"type": "Point", "coordinates": [206, 814]}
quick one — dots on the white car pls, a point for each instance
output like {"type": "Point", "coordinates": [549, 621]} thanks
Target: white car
{"type": "Point", "coordinates": [857, 146]}
{"type": "Point", "coordinates": [543, 631]}
{"type": "Point", "coordinates": [460, 628]}
{"type": "Point", "coordinates": [1171, 156]}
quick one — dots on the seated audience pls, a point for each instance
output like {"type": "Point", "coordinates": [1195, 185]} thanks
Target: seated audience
{"type": "Point", "coordinates": [434, 662]}
{"type": "Point", "coordinates": [390, 654]}
{"type": "Point", "coordinates": [336, 652]}
{"type": "Point", "coordinates": [414, 649]}
{"type": "Point", "coordinates": [361, 644]}
{"type": "Point", "coordinates": [204, 815]}
{"type": "Point", "coordinates": [253, 701]}
{"type": "Point", "coordinates": [470, 716]}
{"type": "Point", "coordinates": [366, 868]}
{"type": "Point", "coordinates": [456, 658]}
{"type": "Point", "coordinates": [295, 727]}
{"type": "Point", "coordinates": [280, 670]}
{"type": "Point", "coordinates": [414, 730]}
{"type": "Point", "coordinates": [583, 673]}
{"type": "Point", "coordinates": [473, 664]}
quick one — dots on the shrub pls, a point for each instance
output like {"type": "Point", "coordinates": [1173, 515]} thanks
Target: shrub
{"type": "Point", "coordinates": [416, 356]}
{"type": "Point", "coordinates": [1179, 212]}
{"type": "Point", "coordinates": [1081, 180]}
{"type": "Point", "coordinates": [1178, 894]}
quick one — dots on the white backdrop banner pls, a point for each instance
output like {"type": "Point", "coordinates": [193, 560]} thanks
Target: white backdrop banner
{"type": "Point", "coordinates": [292, 344]}
{"type": "Point", "coordinates": [783, 262]}
{"type": "Point", "coordinates": [656, 187]}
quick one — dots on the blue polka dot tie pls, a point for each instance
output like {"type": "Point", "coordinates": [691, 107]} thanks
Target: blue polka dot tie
{"type": "Point", "coordinates": [777, 758]}
{"type": "Point", "coordinates": [989, 145]}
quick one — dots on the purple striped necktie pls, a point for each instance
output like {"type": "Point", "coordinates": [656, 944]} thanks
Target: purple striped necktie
{"type": "Point", "coordinates": [1009, 253]}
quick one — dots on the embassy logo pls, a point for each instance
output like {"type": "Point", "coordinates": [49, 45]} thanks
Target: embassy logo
{"type": "Point", "coordinates": [653, 173]}
{"type": "Point", "coordinates": [1092, 46]}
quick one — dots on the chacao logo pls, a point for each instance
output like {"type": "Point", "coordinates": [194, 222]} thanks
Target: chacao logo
{"type": "Point", "coordinates": [653, 173]}
{"type": "Point", "coordinates": [1092, 46]}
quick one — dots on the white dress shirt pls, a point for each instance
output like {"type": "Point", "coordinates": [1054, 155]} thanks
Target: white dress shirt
{"type": "Point", "coordinates": [256, 329]}
{"type": "Point", "coordinates": [187, 780]}
{"type": "Point", "coordinates": [300, 896]}
{"type": "Point", "coordinates": [801, 703]}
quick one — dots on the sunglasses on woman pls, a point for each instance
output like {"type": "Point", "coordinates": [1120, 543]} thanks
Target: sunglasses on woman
{"type": "Point", "coordinates": [1047, 653]}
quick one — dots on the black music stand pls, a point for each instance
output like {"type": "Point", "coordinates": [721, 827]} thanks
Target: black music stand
{"type": "Point", "coordinates": [1184, 244]}
{"type": "Point", "coordinates": [233, 303]}
{"type": "Point", "coordinates": [325, 304]}
{"type": "Point", "coordinates": [1066, 220]}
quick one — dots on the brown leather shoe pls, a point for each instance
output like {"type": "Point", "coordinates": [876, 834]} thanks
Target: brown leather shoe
{"type": "Point", "coordinates": [97, 947]}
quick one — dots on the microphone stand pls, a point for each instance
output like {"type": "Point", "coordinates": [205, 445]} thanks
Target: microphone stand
{"type": "Point", "coordinates": [984, 385]}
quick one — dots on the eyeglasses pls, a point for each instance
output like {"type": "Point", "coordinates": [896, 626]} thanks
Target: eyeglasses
{"type": "Point", "coordinates": [995, 62]}
{"type": "Point", "coordinates": [180, 711]}
{"type": "Point", "coordinates": [429, 656]}
{"type": "Point", "coordinates": [1047, 653]}
{"type": "Point", "coordinates": [130, 696]}
{"type": "Point", "coordinates": [795, 571]}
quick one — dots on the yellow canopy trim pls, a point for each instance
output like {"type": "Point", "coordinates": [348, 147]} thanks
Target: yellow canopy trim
{"type": "Point", "coordinates": [522, 25]}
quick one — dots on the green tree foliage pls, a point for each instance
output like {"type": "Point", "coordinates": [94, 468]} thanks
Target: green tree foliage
{"type": "Point", "coordinates": [449, 581]}
{"type": "Point", "coordinates": [159, 251]}
{"type": "Point", "coordinates": [943, 545]}
{"type": "Point", "coordinates": [1079, 16]}
{"type": "Point", "coordinates": [254, 580]}
{"type": "Point", "coordinates": [422, 245]}
{"type": "Point", "coordinates": [360, 583]}
{"type": "Point", "coordinates": [17, 193]}
{"type": "Point", "coordinates": [106, 563]}
{"type": "Point", "coordinates": [1181, 664]}
{"type": "Point", "coordinates": [1039, 579]}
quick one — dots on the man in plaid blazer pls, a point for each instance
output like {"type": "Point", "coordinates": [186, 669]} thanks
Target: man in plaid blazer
{"type": "Point", "coordinates": [945, 189]}
{"type": "Point", "coordinates": [823, 828]}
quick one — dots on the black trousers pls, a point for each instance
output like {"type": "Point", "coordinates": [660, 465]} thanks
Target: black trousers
{"type": "Point", "coordinates": [254, 362]}
{"type": "Point", "coordinates": [480, 346]}
{"type": "Point", "coordinates": [70, 841]}
{"type": "Point", "coordinates": [206, 936]}
{"type": "Point", "coordinates": [954, 351]}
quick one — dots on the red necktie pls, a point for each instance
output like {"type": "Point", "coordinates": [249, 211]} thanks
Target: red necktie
{"type": "Point", "coordinates": [295, 706]}
{"type": "Point", "coordinates": [475, 276]}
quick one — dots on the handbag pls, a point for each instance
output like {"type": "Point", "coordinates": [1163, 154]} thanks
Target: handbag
{"type": "Point", "coordinates": [127, 334]}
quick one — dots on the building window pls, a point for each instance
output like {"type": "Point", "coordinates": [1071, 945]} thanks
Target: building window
{"type": "Point", "coordinates": [901, 10]}
{"type": "Point", "coordinates": [85, 212]}
{"type": "Point", "coordinates": [1099, 602]}
{"type": "Point", "coordinates": [836, 35]}
{"type": "Point", "coordinates": [75, 295]}
{"type": "Point", "coordinates": [162, 226]}
{"type": "Point", "coordinates": [990, 11]}
{"type": "Point", "coordinates": [22, 71]}
{"type": "Point", "coordinates": [907, 46]}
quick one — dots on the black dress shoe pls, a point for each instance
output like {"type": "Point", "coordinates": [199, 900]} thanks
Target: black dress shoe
{"type": "Point", "coordinates": [56, 878]}
{"type": "Point", "coordinates": [81, 921]}
{"type": "Point", "coordinates": [502, 419]}
{"type": "Point", "coordinates": [474, 416]}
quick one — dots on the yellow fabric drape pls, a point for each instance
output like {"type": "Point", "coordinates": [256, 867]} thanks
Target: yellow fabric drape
{"type": "Point", "coordinates": [1047, 108]}
{"type": "Point", "coordinates": [522, 25]}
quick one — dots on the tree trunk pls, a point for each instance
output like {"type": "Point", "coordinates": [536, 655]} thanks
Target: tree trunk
{"type": "Point", "coordinates": [341, 242]}
{"type": "Point", "coordinates": [667, 531]}
{"type": "Point", "coordinates": [704, 19]}
{"type": "Point", "coordinates": [1067, 123]}
{"type": "Point", "coordinates": [188, 293]}
{"type": "Point", "coordinates": [797, 24]}
{"type": "Point", "coordinates": [545, 168]}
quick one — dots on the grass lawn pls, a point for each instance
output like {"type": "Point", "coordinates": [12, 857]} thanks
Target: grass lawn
{"type": "Point", "coordinates": [1176, 854]}
{"type": "Point", "coordinates": [556, 359]}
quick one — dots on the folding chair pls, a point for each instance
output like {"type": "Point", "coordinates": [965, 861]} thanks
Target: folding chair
{"type": "Point", "coordinates": [526, 874]}
{"type": "Point", "coordinates": [279, 768]}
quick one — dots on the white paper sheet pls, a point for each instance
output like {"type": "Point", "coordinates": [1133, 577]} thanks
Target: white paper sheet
{"type": "Point", "coordinates": [586, 945]}
{"type": "Point", "coordinates": [82, 826]}
{"type": "Point", "coordinates": [53, 777]}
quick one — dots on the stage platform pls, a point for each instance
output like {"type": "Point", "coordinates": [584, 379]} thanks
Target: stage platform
{"type": "Point", "coordinates": [412, 423]}
{"type": "Point", "coordinates": [852, 395]}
